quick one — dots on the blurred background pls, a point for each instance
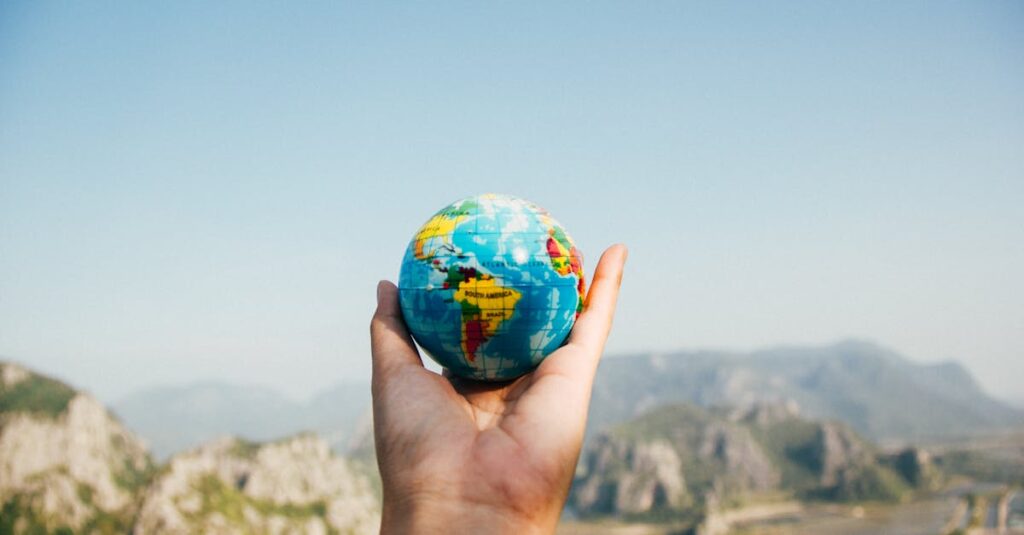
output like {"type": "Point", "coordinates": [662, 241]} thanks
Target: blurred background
{"type": "Point", "coordinates": [821, 327]}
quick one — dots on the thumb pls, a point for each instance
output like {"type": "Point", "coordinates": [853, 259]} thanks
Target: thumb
{"type": "Point", "coordinates": [390, 343]}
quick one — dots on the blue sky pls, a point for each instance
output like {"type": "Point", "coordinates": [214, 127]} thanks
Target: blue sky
{"type": "Point", "coordinates": [194, 190]}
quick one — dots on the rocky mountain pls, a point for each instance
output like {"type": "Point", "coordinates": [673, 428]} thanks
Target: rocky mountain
{"type": "Point", "coordinates": [683, 459]}
{"type": "Point", "coordinates": [176, 418]}
{"type": "Point", "coordinates": [858, 383]}
{"type": "Point", "coordinates": [68, 466]}
{"type": "Point", "coordinates": [65, 463]}
{"type": "Point", "coordinates": [232, 486]}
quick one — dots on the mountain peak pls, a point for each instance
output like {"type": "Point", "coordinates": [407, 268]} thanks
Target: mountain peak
{"type": "Point", "coordinates": [24, 391]}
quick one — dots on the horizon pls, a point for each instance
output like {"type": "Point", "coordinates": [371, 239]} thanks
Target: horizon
{"type": "Point", "coordinates": [212, 191]}
{"type": "Point", "coordinates": [218, 382]}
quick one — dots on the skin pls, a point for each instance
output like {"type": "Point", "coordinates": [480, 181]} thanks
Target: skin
{"type": "Point", "coordinates": [460, 456]}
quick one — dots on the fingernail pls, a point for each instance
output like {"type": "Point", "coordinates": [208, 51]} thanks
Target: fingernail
{"type": "Point", "coordinates": [380, 291]}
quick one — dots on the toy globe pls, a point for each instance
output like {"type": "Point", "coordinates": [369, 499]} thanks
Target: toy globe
{"type": "Point", "coordinates": [491, 285]}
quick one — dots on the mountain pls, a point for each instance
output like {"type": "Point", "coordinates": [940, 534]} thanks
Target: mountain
{"type": "Point", "coordinates": [683, 461]}
{"type": "Point", "coordinates": [855, 382]}
{"type": "Point", "coordinates": [67, 465]}
{"type": "Point", "coordinates": [65, 462]}
{"type": "Point", "coordinates": [295, 485]}
{"type": "Point", "coordinates": [176, 418]}
{"type": "Point", "coordinates": [875, 390]}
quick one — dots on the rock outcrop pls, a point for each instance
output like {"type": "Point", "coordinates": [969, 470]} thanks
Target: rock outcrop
{"type": "Point", "coordinates": [231, 486]}
{"type": "Point", "coordinates": [632, 477]}
{"type": "Point", "coordinates": [837, 450]}
{"type": "Point", "coordinates": [916, 466]}
{"type": "Point", "coordinates": [744, 465]}
{"type": "Point", "coordinates": [65, 462]}
{"type": "Point", "coordinates": [67, 465]}
{"type": "Point", "coordinates": [689, 460]}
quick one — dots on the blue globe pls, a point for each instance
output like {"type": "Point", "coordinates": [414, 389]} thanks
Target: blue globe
{"type": "Point", "coordinates": [490, 285]}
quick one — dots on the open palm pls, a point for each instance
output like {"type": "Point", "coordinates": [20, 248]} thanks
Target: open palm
{"type": "Point", "coordinates": [460, 456]}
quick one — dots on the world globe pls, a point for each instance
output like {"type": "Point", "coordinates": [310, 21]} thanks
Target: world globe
{"type": "Point", "coordinates": [490, 286]}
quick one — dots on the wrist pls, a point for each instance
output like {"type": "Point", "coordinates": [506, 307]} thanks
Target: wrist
{"type": "Point", "coordinates": [432, 515]}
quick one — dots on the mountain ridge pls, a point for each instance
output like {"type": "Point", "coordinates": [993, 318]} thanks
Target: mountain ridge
{"type": "Point", "coordinates": [854, 381]}
{"type": "Point", "coordinates": [840, 380]}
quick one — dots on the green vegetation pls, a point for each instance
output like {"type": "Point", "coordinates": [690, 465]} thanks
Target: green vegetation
{"type": "Point", "coordinates": [130, 478]}
{"type": "Point", "coordinates": [107, 523]}
{"type": "Point", "coordinates": [85, 493]}
{"type": "Point", "coordinates": [982, 466]}
{"type": "Point", "coordinates": [664, 421]}
{"type": "Point", "coordinates": [870, 482]}
{"type": "Point", "coordinates": [792, 446]}
{"type": "Point", "coordinates": [796, 447]}
{"type": "Point", "coordinates": [231, 503]}
{"type": "Point", "coordinates": [36, 395]}
{"type": "Point", "coordinates": [12, 512]}
{"type": "Point", "coordinates": [17, 516]}
{"type": "Point", "coordinates": [246, 449]}
{"type": "Point", "coordinates": [914, 467]}
{"type": "Point", "coordinates": [689, 516]}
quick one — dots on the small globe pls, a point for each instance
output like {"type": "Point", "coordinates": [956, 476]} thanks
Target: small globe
{"type": "Point", "coordinates": [490, 285]}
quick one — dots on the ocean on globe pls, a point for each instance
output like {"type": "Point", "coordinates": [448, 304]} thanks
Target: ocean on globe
{"type": "Point", "coordinates": [490, 285]}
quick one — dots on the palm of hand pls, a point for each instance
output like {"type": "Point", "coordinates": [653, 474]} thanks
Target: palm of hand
{"type": "Point", "coordinates": [506, 448]}
{"type": "Point", "coordinates": [501, 446]}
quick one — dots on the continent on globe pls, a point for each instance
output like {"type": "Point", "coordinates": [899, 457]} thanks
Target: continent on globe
{"type": "Point", "coordinates": [490, 285]}
{"type": "Point", "coordinates": [565, 259]}
{"type": "Point", "coordinates": [438, 230]}
{"type": "Point", "coordinates": [485, 306]}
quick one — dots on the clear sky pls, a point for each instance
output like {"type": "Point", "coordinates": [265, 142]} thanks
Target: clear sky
{"type": "Point", "coordinates": [204, 190]}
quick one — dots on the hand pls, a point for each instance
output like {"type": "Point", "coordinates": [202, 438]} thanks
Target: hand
{"type": "Point", "coordinates": [460, 456]}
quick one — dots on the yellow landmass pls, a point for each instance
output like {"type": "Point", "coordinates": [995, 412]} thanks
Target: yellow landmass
{"type": "Point", "coordinates": [486, 305]}
{"type": "Point", "coordinates": [440, 226]}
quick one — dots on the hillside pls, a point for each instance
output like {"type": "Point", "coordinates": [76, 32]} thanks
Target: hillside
{"type": "Point", "coordinates": [232, 486]}
{"type": "Point", "coordinates": [681, 460]}
{"type": "Point", "coordinates": [68, 466]}
{"type": "Point", "coordinates": [858, 383]}
{"type": "Point", "coordinates": [65, 463]}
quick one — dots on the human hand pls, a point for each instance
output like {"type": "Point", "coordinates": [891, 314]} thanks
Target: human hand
{"type": "Point", "coordinates": [461, 456]}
